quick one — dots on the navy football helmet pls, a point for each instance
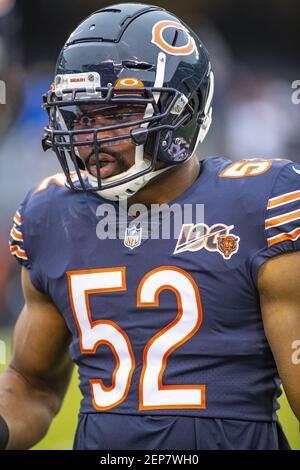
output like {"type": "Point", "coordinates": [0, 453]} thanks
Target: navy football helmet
{"type": "Point", "coordinates": [142, 59]}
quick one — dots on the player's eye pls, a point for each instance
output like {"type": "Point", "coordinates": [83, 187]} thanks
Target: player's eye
{"type": "Point", "coordinates": [84, 121]}
{"type": "Point", "coordinates": [99, 119]}
{"type": "Point", "coordinates": [87, 121]}
{"type": "Point", "coordinates": [123, 117]}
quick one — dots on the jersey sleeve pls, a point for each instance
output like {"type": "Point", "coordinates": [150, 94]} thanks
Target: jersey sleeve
{"type": "Point", "coordinates": [24, 236]}
{"type": "Point", "coordinates": [17, 237]}
{"type": "Point", "coordinates": [282, 217]}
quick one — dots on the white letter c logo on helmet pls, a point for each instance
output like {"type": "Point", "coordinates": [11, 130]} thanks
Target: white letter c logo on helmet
{"type": "Point", "coordinates": [157, 38]}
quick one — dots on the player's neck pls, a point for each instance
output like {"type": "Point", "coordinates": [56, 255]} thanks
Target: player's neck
{"type": "Point", "coordinates": [169, 185]}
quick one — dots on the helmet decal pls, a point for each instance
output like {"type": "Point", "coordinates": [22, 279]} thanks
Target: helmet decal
{"type": "Point", "coordinates": [129, 82]}
{"type": "Point", "coordinates": [159, 41]}
{"type": "Point", "coordinates": [124, 85]}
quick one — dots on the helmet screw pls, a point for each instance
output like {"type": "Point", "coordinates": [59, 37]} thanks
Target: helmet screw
{"type": "Point", "coordinates": [177, 140]}
{"type": "Point", "coordinates": [164, 143]}
{"type": "Point", "coordinates": [109, 85]}
{"type": "Point", "coordinates": [91, 78]}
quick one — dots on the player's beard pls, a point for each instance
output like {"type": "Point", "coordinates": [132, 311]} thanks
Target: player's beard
{"type": "Point", "coordinates": [111, 163]}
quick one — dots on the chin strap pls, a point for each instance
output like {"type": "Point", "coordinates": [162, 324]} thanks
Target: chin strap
{"type": "Point", "coordinates": [126, 190]}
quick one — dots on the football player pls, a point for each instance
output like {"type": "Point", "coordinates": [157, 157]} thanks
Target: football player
{"type": "Point", "coordinates": [180, 342]}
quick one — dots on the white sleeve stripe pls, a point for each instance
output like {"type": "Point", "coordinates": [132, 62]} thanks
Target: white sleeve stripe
{"type": "Point", "coordinates": [274, 206]}
{"type": "Point", "coordinates": [285, 198]}
{"type": "Point", "coordinates": [282, 219]}
{"type": "Point", "coordinates": [18, 252]}
{"type": "Point", "coordinates": [19, 240]}
{"type": "Point", "coordinates": [17, 222]}
{"type": "Point", "coordinates": [293, 235]}
{"type": "Point", "coordinates": [285, 194]}
{"type": "Point", "coordinates": [283, 223]}
{"type": "Point", "coordinates": [20, 256]}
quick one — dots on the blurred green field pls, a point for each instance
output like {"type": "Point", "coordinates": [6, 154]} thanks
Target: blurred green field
{"type": "Point", "coordinates": [61, 433]}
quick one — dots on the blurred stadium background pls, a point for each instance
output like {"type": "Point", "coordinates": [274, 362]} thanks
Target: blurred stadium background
{"type": "Point", "coordinates": [255, 50]}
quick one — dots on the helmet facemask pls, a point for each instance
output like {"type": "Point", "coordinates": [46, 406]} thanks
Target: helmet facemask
{"type": "Point", "coordinates": [134, 55]}
{"type": "Point", "coordinates": [149, 111]}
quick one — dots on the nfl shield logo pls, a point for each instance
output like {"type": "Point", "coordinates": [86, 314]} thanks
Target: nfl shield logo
{"type": "Point", "coordinates": [133, 237]}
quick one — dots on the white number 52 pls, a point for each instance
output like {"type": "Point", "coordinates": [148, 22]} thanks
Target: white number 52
{"type": "Point", "coordinates": [153, 394]}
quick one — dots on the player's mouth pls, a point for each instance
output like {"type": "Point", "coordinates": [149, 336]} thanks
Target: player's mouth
{"type": "Point", "coordinates": [108, 165]}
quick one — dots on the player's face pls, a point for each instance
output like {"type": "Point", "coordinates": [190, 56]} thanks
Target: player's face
{"type": "Point", "coordinates": [114, 157]}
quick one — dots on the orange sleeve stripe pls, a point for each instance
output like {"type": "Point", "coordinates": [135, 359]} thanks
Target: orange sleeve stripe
{"type": "Point", "coordinates": [17, 218]}
{"type": "Point", "coordinates": [16, 235]}
{"type": "Point", "coordinates": [293, 235]}
{"type": "Point", "coordinates": [47, 181]}
{"type": "Point", "coordinates": [284, 199]}
{"type": "Point", "coordinates": [59, 179]}
{"type": "Point", "coordinates": [15, 250]}
{"type": "Point", "coordinates": [282, 219]}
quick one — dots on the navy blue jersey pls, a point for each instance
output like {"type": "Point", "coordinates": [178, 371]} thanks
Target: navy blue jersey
{"type": "Point", "coordinates": [161, 325]}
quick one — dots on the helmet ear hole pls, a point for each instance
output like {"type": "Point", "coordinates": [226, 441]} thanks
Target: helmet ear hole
{"type": "Point", "coordinates": [190, 109]}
